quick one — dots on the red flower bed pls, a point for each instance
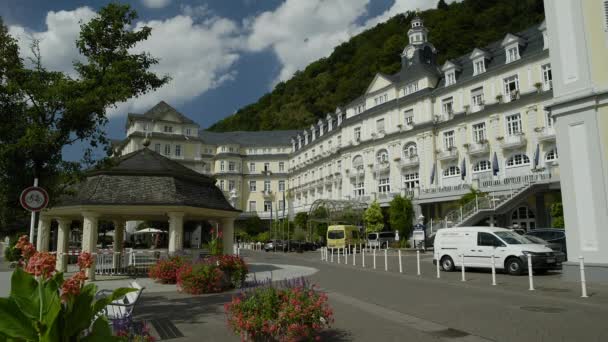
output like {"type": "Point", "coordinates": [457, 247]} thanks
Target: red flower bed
{"type": "Point", "coordinates": [233, 266]}
{"type": "Point", "coordinates": [165, 271]}
{"type": "Point", "coordinates": [199, 278]}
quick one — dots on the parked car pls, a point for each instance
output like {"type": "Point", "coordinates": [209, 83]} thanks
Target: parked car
{"type": "Point", "coordinates": [553, 236]}
{"type": "Point", "coordinates": [556, 247]}
{"type": "Point", "coordinates": [479, 244]}
{"type": "Point", "coordinates": [380, 239]}
{"type": "Point", "coordinates": [341, 236]}
{"type": "Point", "coordinates": [275, 246]}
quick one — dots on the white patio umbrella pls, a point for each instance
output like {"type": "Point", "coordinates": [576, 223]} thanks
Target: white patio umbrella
{"type": "Point", "coordinates": [150, 231]}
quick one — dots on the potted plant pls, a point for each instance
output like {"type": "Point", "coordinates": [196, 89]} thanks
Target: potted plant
{"type": "Point", "coordinates": [499, 98]}
{"type": "Point", "coordinates": [538, 86]}
{"type": "Point", "coordinates": [500, 137]}
{"type": "Point", "coordinates": [465, 145]}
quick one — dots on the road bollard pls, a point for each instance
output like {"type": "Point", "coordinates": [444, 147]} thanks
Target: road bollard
{"type": "Point", "coordinates": [332, 254]}
{"type": "Point", "coordinates": [437, 266]}
{"type": "Point", "coordinates": [355, 256]}
{"type": "Point", "coordinates": [530, 272]}
{"type": "Point", "coordinates": [400, 263]}
{"type": "Point", "coordinates": [583, 281]}
{"type": "Point", "coordinates": [493, 271]}
{"type": "Point", "coordinates": [322, 254]}
{"type": "Point", "coordinates": [385, 260]}
{"type": "Point", "coordinates": [363, 258]}
{"type": "Point", "coordinates": [338, 255]}
{"type": "Point", "coordinates": [374, 251]}
{"type": "Point", "coordinates": [462, 267]}
{"type": "Point", "coordinates": [346, 257]}
{"type": "Point", "coordinates": [418, 261]}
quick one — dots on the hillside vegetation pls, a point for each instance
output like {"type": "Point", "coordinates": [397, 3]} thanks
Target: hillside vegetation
{"type": "Point", "coordinates": [334, 81]}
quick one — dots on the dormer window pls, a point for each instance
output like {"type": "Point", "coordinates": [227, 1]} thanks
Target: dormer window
{"type": "Point", "coordinates": [450, 78]}
{"type": "Point", "coordinates": [479, 67]}
{"type": "Point", "coordinates": [511, 44]}
{"type": "Point", "coordinates": [410, 88]}
{"type": "Point", "coordinates": [168, 129]}
{"type": "Point", "coordinates": [380, 99]}
{"type": "Point", "coordinates": [449, 70]}
{"type": "Point", "coordinates": [359, 109]}
{"type": "Point", "coordinates": [512, 54]}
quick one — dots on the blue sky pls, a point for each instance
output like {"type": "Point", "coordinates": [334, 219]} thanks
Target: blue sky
{"type": "Point", "coordinates": [222, 55]}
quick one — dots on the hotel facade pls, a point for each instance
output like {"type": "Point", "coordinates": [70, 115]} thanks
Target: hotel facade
{"type": "Point", "coordinates": [431, 132]}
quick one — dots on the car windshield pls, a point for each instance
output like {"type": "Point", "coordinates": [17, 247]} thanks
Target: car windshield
{"type": "Point", "coordinates": [512, 238]}
{"type": "Point", "coordinates": [372, 236]}
{"type": "Point", "coordinates": [536, 239]}
{"type": "Point", "coordinates": [335, 234]}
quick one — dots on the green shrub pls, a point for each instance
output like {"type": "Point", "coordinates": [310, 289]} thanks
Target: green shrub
{"type": "Point", "coordinates": [199, 278]}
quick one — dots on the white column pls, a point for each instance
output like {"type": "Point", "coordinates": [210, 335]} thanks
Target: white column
{"type": "Point", "coordinates": [176, 231]}
{"type": "Point", "coordinates": [227, 225]}
{"type": "Point", "coordinates": [89, 238]}
{"type": "Point", "coordinates": [119, 234]}
{"type": "Point", "coordinates": [63, 238]}
{"type": "Point", "coordinates": [44, 234]}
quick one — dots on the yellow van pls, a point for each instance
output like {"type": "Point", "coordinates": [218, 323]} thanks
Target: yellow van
{"type": "Point", "coordinates": [342, 236]}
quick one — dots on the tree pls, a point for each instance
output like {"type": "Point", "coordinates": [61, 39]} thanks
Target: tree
{"type": "Point", "coordinates": [301, 220]}
{"type": "Point", "coordinates": [42, 111]}
{"type": "Point", "coordinates": [557, 215]}
{"type": "Point", "coordinates": [401, 215]}
{"type": "Point", "coordinates": [442, 5]}
{"type": "Point", "coordinates": [373, 218]}
{"type": "Point", "coordinates": [470, 196]}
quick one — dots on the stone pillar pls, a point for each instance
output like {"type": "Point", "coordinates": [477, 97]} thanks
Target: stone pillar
{"type": "Point", "coordinates": [119, 236]}
{"type": "Point", "coordinates": [63, 239]}
{"type": "Point", "coordinates": [44, 234]}
{"type": "Point", "coordinates": [89, 239]}
{"type": "Point", "coordinates": [176, 231]}
{"type": "Point", "coordinates": [227, 225]}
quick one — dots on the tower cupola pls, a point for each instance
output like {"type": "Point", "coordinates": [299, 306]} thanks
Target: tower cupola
{"type": "Point", "coordinates": [418, 34]}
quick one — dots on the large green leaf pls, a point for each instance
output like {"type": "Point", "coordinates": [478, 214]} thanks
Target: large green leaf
{"type": "Point", "coordinates": [81, 314]}
{"type": "Point", "coordinates": [13, 323]}
{"type": "Point", "coordinates": [101, 332]}
{"type": "Point", "coordinates": [24, 290]}
{"type": "Point", "coordinates": [103, 302]}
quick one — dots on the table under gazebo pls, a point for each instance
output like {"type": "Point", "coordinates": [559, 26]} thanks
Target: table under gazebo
{"type": "Point", "coordinates": [142, 185]}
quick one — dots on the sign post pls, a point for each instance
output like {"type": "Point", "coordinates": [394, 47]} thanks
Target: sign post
{"type": "Point", "coordinates": [34, 199]}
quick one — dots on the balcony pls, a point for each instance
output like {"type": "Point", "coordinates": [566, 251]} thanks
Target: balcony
{"type": "Point", "coordinates": [380, 168]}
{"type": "Point", "coordinates": [356, 172]}
{"type": "Point", "coordinates": [547, 134]}
{"type": "Point", "coordinates": [409, 162]}
{"type": "Point", "coordinates": [448, 154]}
{"type": "Point", "coordinates": [476, 149]}
{"type": "Point", "coordinates": [267, 193]}
{"type": "Point", "coordinates": [477, 108]}
{"type": "Point", "coordinates": [513, 141]}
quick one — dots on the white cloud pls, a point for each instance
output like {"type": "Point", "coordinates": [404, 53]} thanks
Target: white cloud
{"type": "Point", "coordinates": [197, 54]}
{"type": "Point", "coordinates": [156, 3]}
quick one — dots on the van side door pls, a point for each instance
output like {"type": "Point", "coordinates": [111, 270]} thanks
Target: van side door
{"type": "Point", "coordinates": [487, 245]}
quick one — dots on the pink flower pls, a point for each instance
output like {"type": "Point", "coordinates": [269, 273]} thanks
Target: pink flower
{"type": "Point", "coordinates": [41, 264]}
{"type": "Point", "coordinates": [85, 260]}
{"type": "Point", "coordinates": [27, 249]}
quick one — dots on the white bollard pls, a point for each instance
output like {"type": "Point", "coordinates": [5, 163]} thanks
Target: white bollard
{"type": "Point", "coordinates": [493, 271]}
{"type": "Point", "coordinates": [530, 272]}
{"type": "Point", "coordinates": [462, 267]}
{"type": "Point", "coordinates": [385, 260]}
{"type": "Point", "coordinates": [363, 258]}
{"type": "Point", "coordinates": [400, 262]}
{"type": "Point", "coordinates": [322, 254]}
{"type": "Point", "coordinates": [437, 266]}
{"type": "Point", "coordinates": [332, 254]}
{"type": "Point", "coordinates": [346, 257]}
{"type": "Point", "coordinates": [338, 255]}
{"type": "Point", "coordinates": [583, 281]}
{"type": "Point", "coordinates": [418, 261]}
{"type": "Point", "coordinates": [355, 256]}
{"type": "Point", "coordinates": [374, 251]}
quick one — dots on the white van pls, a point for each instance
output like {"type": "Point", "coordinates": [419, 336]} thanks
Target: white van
{"type": "Point", "coordinates": [478, 244]}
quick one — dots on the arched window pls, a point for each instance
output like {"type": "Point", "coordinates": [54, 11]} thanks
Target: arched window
{"type": "Point", "coordinates": [518, 160]}
{"type": "Point", "coordinates": [482, 165]}
{"type": "Point", "coordinates": [523, 217]}
{"type": "Point", "coordinates": [382, 156]}
{"type": "Point", "coordinates": [358, 162]}
{"type": "Point", "coordinates": [410, 150]}
{"type": "Point", "coordinates": [551, 155]}
{"type": "Point", "coordinates": [451, 171]}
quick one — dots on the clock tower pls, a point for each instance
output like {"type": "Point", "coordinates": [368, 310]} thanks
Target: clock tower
{"type": "Point", "coordinates": [419, 50]}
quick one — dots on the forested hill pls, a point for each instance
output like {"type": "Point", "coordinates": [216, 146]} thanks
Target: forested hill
{"type": "Point", "coordinates": [334, 81]}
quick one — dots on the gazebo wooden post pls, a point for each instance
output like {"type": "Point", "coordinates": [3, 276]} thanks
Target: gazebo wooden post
{"type": "Point", "coordinates": [176, 232]}
{"type": "Point", "coordinates": [227, 225]}
{"type": "Point", "coordinates": [63, 239]}
{"type": "Point", "coordinates": [119, 236]}
{"type": "Point", "coordinates": [44, 233]}
{"type": "Point", "coordinates": [90, 224]}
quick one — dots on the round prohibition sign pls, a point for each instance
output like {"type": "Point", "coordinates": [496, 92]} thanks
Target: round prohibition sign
{"type": "Point", "coordinates": [34, 198]}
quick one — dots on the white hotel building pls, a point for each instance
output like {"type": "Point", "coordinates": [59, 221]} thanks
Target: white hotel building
{"type": "Point", "coordinates": [430, 131]}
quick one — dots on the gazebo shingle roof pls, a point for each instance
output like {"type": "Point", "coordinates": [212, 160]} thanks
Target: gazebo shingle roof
{"type": "Point", "coordinates": [145, 177]}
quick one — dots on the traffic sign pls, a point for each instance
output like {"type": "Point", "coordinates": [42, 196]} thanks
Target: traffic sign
{"type": "Point", "coordinates": [418, 235]}
{"type": "Point", "coordinates": [34, 198]}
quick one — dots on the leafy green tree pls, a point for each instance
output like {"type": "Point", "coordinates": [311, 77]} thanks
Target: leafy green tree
{"type": "Point", "coordinates": [373, 218]}
{"type": "Point", "coordinates": [301, 220]}
{"type": "Point", "coordinates": [42, 111]}
{"type": "Point", "coordinates": [401, 215]}
{"type": "Point", "coordinates": [470, 196]}
{"type": "Point", "coordinates": [557, 215]}
{"type": "Point", "coordinates": [442, 5]}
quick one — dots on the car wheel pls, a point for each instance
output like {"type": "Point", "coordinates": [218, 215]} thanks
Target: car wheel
{"type": "Point", "coordinates": [447, 264]}
{"type": "Point", "coordinates": [514, 266]}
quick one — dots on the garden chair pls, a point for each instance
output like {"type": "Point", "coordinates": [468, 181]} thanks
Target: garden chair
{"type": "Point", "coordinates": [122, 308]}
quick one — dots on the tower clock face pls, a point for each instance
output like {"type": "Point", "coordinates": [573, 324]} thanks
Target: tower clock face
{"type": "Point", "coordinates": [409, 53]}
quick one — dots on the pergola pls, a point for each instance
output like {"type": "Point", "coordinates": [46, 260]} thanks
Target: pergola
{"type": "Point", "coordinates": [142, 185]}
{"type": "Point", "coordinates": [330, 212]}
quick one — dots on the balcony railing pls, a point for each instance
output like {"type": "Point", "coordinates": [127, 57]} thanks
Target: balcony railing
{"type": "Point", "coordinates": [382, 167]}
{"type": "Point", "coordinates": [479, 148]}
{"type": "Point", "coordinates": [513, 141]}
{"type": "Point", "coordinates": [547, 134]}
{"type": "Point", "coordinates": [448, 154]}
{"type": "Point", "coordinates": [408, 162]}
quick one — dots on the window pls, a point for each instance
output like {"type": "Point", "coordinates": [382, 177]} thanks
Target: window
{"type": "Point", "coordinates": [446, 106]}
{"type": "Point", "coordinates": [360, 109]}
{"type": "Point", "coordinates": [281, 205]}
{"type": "Point", "coordinates": [157, 148]}
{"type": "Point", "coordinates": [380, 125]}
{"type": "Point", "coordinates": [253, 186]}
{"type": "Point", "coordinates": [551, 155]}
{"type": "Point", "coordinates": [252, 167]}
{"type": "Point", "coordinates": [223, 148]}
{"type": "Point", "coordinates": [408, 117]}
{"type": "Point", "coordinates": [339, 141]}
{"type": "Point", "coordinates": [477, 97]}
{"type": "Point", "coordinates": [222, 184]}
{"type": "Point", "coordinates": [450, 78]}
{"type": "Point", "coordinates": [548, 119]}
{"type": "Point", "coordinates": [357, 133]}
{"type": "Point", "coordinates": [380, 99]}
{"type": "Point", "coordinates": [168, 129]}
{"type": "Point", "coordinates": [358, 162]}
{"type": "Point", "coordinates": [222, 166]}
{"type": "Point", "coordinates": [411, 180]}
{"type": "Point", "coordinates": [231, 185]}
{"type": "Point", "coordinates": [410, 88]}
{"type": "Point", "coordinates": [231, 149]}
{"type": "Point", "coordinates": [481, 166]}
{"type": "Point", "coordinates": [479, 67]}
{"type": "Point", "coordinates": [339, 164]}
{"type": "Point", "coordinates": [281, 166]}
{"type": "Point", "coordinates": [146, 127]}
{"type": "Point", "coordinates": [178, 150]}
{"type": "Point", "coordinates": [281, 185]}
{"type": "Point", "coordinates": [451, 171]}
{"type": "Point", "coordinates": [382, 156]}
{"type": "Point", "coordinates": [188, 131]}
{"type": "Point", "coordinates": [266, 167]}
{"type": "Point", "coordinates": [487, 239]}
{"type": "Point", "coordinates": [359, 189]}
{"type": "Point", "coordinates": [384, 186]}
{"type": "Point", "coordinates": [518, 160]}
{"type": "Point", "coordinates": [479, 132]}
{"type": "Point", "coordinates": [231, 166]}
{"type": "Point", "coordinates": [252, 206]}
{"type": "Point", "coordinates": [410, 150]}
{"type": "Point", "coordinates": [511, 86]}
{"type": "Point", "coordinates": [512, 54]}
{"type": "Point", "coordinates": [547, 78]}
{"type": "Point", "coordinates": [514, 124]}
{"type": "Point", "coordinates": [267, 206]}
{"type": "Point", "coordinates": [448, 140]}
{"type": "Point", "coordinates": [168, 150]}
{"type": "Point", "coordinates": [267, 185]}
